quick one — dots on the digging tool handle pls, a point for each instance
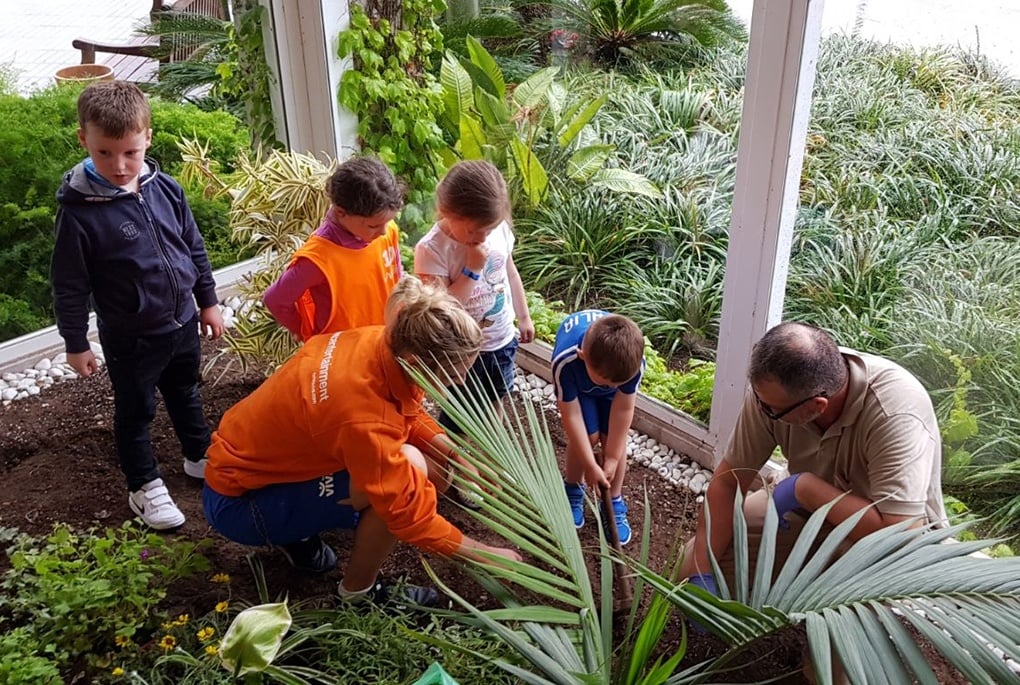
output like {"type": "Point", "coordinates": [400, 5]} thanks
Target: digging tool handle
{"type": "Point", "coordinates": [623, 594]}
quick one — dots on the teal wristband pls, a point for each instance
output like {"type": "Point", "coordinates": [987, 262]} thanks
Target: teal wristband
{"type": "Point", "coordinates": [470, 274]}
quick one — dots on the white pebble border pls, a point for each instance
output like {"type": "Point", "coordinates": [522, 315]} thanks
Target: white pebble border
{"type": "Point", "coordinates": [680, 471]}
{"type": "Point", "coordinates": [50, 371]}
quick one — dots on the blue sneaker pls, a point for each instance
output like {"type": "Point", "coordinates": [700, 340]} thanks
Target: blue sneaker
{"type": "Point", "coordinates": [620, 517]}
{"type": "Point", "coordinates": [575, 495]}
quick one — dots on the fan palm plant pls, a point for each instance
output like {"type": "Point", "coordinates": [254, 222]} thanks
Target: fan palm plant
{"type": "Point", "coordinates": [207, 41]}
{"type": "Point", "coordinates": [614, 31]}
{"type": "Point", "coordinates": [863, 602]}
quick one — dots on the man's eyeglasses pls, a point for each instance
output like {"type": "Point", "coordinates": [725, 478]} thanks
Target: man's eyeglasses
{"type": "Point", "coordinates": [775, 416]}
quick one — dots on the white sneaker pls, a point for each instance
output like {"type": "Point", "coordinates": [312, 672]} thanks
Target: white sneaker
{"type": "Point", "coordinates": [154, 506]}
{"type": "Point", "coordinates": [196, 469]}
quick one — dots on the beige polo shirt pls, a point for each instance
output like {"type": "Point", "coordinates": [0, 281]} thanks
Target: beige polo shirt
{"type": "Point", "coordinates": [884, 446]}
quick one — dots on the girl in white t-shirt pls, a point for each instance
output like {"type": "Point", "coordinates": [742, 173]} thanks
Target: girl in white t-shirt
{"type": "Point", "coordinates": [470, 251]}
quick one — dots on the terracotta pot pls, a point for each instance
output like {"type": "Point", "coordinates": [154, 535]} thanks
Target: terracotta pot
{"type": "Point", "coordinates": [83, 74]}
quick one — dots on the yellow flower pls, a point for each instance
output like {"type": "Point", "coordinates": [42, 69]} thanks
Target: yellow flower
{"type": "Point", "coordinates": [122, 641]}
{"type": "Point", "coordinates": [221, 607]}
{"type": "Point", "coordinates": [117, 672]}
{"type": "Point", "coordinates": [182, 620]}
{"type": "Point", "coordinates": [221, 578]}
{"type": "Point", "coordinates": [168, 642]}
{"type": "Point", "coordinates": [211, 650]}
{"type": "Point", "coordinates": [206, 633]}
{"type": "Point", "coordinates": [169, 625]}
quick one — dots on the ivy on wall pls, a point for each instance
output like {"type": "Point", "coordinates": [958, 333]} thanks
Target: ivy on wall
{"type": "Point", "coordinates": [395, 47]}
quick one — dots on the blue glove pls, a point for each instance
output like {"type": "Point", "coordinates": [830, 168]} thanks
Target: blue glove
{"type": "Point", "coordinates": [706, 581]}
{"type": "Point", "coordinates": [785, 498]}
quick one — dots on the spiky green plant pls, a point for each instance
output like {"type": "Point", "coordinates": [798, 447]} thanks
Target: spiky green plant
{"type": "Point", "coordinates": [206, 42]}
{"type": "Point", "coordinates": [276, 203]}
{"type": "Point", "coordinates": [614, 31]}
{"type": "Point", "coordinates": [573, 248]}
{"type": "Point", "coordinates": [676, 302]}
{"type": "Point", "coordinates": [860, 602]}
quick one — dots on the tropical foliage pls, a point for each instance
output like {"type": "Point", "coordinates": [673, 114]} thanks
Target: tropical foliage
{"type": "Point", "coordinates": [395, 95]}
{"type": "Point", "coordinates": [618, 31]}
{"type": "Point", "coordinates": [533, 132]}
{"type": "Point", "coordinates": [224, 67]}
{"type": "Point", "coordinates": [276, 203]}
{"type": "Point", "coordinates": [905, 241]}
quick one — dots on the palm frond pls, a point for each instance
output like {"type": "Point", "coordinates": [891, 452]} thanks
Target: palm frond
{"type": "Point", "coordinates": [862, 601]}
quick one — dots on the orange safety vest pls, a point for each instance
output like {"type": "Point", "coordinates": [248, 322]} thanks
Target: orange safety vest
{"type": "Point", "coordinates": [359, 281]}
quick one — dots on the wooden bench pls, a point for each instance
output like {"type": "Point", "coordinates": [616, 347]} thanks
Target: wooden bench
{"type": "Point", "coordinates": [138, 58]}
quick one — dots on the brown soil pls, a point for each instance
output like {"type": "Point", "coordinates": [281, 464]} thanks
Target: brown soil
{"type": "Point", "coordinates": [59, 465]}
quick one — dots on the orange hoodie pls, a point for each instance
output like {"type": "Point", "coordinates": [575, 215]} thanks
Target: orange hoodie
{"type": "Point", "coordinates": [341, 403]}
{"type": "Point", "coordinates": [359, 281]}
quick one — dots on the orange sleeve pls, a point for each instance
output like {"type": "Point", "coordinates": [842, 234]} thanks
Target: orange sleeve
{"type": "Point", "coordinates": [423, 430]}
{"type": "Point", "coordinates": [401, 494]}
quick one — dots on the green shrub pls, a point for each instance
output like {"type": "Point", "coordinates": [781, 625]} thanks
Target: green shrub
{"type": "Point", "coordinates": [73, 593]}
{"type": "Point", "coordinates": [222, 133]}
{"type": "Point", "coordinates": [38, 144]}
{"type": "Point", "coordinates": [27, 240]}
{"type": "Point", "coordinates": [20, 663]}
{"type": "Point", "coordinates": [16, 317]}
{"type": "Point", "coordinates": [212, 217]}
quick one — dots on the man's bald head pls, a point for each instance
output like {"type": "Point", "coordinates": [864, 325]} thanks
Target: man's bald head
{"type": "Point", "coordinates": [803, 359]}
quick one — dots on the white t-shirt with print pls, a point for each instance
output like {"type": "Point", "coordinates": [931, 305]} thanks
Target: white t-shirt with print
{"type": "Point", "coordinates": [489, 303]}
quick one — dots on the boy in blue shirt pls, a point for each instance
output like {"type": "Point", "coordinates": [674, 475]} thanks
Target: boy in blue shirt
{"type": "Point", "coordinates": [597, 364]}
{"type": "Point", "coordinates": [127, 243]}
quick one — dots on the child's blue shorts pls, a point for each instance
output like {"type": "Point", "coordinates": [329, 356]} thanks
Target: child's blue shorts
{"type": "Point", "coordinates": [283, 513]}
{"type": "Point", "coordinates": [595, 411]}
{"type": "Point", "coordinates": [491, 377]}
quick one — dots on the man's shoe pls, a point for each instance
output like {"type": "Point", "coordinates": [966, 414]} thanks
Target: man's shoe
{"type": "Point", "coordinates": [620, 519]}
{"type": "Point", "coordinates": [311, 555]}
{"type": "Point", "coordinates": [196, 469]}
{"type": "Point", "coordinates": [575, 495]}
{"type": "Point", "coordinates": [152, 503]}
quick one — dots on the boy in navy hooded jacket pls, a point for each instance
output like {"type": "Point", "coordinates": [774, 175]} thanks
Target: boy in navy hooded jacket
{"type": "Point", "coordinates": [127, 243]}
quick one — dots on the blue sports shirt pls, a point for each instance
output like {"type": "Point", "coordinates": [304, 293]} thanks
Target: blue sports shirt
{"type": "Point", "coordinates": [570, 378]}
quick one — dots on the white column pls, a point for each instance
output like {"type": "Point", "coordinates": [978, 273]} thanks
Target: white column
{"type": "Point", "coordinates": [301, 48]}
{"type": "Point", "coordinates": [777, 100]}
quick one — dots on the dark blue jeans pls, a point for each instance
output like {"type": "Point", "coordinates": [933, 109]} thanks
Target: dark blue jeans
{"type": "Point", "coordinates": [491, 377]}
{"type": "Point", "coordinates": [138, 365]}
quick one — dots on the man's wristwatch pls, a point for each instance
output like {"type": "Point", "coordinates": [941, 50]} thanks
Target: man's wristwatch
{"type": "Point", "coordinates": [470, 274]}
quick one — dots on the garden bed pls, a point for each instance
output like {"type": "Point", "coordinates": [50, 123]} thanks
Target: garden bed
{"type": "Point", "coordinates": [59, 465]}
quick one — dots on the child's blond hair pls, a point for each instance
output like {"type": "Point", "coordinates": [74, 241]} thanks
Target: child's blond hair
{"type": "Point", "coordinates": [118, 108]}
{"type": "Point", "coordinates": [429, 324]}
{"type": "Point", "coordinates": [614, 347]}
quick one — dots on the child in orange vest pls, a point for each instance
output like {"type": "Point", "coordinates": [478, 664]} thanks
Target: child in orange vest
{"type": "Point", "coordinates": [340, 278]}
{"type": "Point", "coordinates": [337, 438]}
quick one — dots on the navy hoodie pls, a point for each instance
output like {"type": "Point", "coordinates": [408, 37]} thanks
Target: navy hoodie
{"type": "Point", "coordinates": [138, 256]}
